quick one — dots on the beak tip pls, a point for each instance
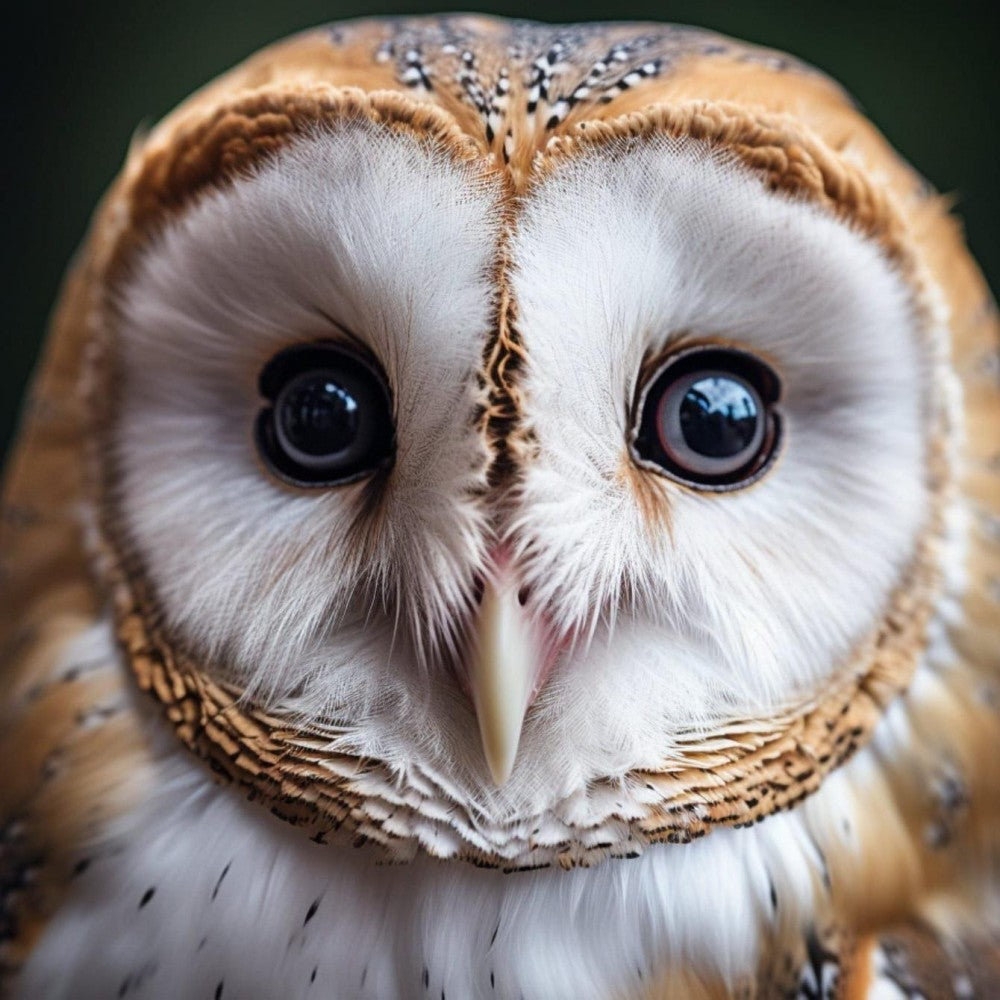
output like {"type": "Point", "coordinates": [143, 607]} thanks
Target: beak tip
{"type": "Point", "coordinates": [500, 733]}
{"type": "Point", "coordinates": [500, 767]}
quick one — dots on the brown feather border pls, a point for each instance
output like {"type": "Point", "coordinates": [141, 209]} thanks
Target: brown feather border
{"type": "Point", "coordinates": [761, 769]}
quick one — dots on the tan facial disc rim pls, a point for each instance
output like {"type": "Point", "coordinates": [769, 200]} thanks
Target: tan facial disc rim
{"type": "Point", "coordinates": [747, 771]}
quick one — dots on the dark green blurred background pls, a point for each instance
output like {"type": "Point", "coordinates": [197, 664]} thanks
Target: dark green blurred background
{"type": "Point", "coordinates": [83, 78]}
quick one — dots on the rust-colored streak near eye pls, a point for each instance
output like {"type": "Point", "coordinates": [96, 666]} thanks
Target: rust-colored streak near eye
{"type": "Point", "coordinates": [651, 494]}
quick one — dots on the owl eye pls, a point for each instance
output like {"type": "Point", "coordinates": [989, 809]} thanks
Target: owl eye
{"type": "Point", "coordinates": [706, 418]}
{"type": "Point", "coordinates": [328, 416]}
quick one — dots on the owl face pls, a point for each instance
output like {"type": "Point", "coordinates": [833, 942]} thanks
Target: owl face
{"type": "Point", "coordinates": [520, 493]}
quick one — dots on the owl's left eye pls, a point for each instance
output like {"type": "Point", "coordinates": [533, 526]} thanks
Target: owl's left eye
{"type": "Point", "coordinates": [706, 418]}
{"type": "Point", "coordinates": [328, 417]}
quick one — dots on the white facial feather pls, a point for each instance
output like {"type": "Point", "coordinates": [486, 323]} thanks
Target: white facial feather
{"type": "Point", "coordinates": [759, 595]}
{"type": "Point", "coordinates": [749, 603]}
{"type": "Point", "coordinates": [250, 572]}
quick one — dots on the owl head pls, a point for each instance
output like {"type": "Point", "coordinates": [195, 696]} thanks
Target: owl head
{"type": "Point", "coordinates": [520, 443]}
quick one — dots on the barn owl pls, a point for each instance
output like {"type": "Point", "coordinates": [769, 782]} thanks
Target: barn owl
{"type": "Point", "coordinates": [508, 510]}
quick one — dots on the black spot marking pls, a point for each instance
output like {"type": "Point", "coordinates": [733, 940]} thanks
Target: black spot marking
{"type": "Point", "coordinates": [147, 896]}
{"type": "Point", "coordinates": [774, 896]}
{"type": "Point", "coordinates": [81, 866]}
{"type": "Point", "coordinates": [50, 766]}
{"type": "Point", "coordinates": [137, 978]}
{"type": "Point", "coordinates": [937, 835]}
{"type": "Point", "coordinates": [426, 978]}
{"type": "Point", "coordinates": [493, 982]}
{"type": "Point", "coordinates": [952, 793]}
{"type": "Point", "coordinates": [218, 989]}
{"type": "Point", "coordinates": [311, 912]}
{"type": "Point", "coordinates": [312, 975]}
{"type": "Point", "coordinates": [202, 943]}
{"type": "Point", "coordinates": [818, 977]}
{"type": "Point", "coordinates": [215, 891]}
{"type": "Point", "coordinates": [34, 692]}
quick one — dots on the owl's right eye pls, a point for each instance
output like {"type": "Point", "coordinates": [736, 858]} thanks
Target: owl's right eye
{"type": "Point", "coordinates": [707, 419]}
{"type": "Point", "coordinates": [328, 416]}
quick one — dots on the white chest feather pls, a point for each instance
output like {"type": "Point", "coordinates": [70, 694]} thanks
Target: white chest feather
{"type": "Point", "coordinates": [198, 893]}
{"type": "Point", "coordinates": [206, 895]}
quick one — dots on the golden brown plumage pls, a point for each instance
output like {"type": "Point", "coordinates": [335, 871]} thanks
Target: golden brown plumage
{"type": "Point", "coordinates": [514, 101]}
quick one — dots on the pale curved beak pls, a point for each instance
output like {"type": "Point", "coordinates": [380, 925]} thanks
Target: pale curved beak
{"type": "Point", "coordinates": [502, 673]}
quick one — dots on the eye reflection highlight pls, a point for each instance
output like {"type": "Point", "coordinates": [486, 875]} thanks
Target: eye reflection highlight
{"type": "Point", "coordinates": [719, 416]}
{"type": "Point", "coordinates": [316, 416]}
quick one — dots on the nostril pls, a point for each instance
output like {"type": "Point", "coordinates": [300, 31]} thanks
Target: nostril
{"type": "Point", "coordinates": [479, 589]}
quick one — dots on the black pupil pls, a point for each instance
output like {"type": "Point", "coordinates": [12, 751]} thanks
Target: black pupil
{"type": "Point", "coordinates": [718, 417]}
{"type": "Point", "coordinates": [318, 415]}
